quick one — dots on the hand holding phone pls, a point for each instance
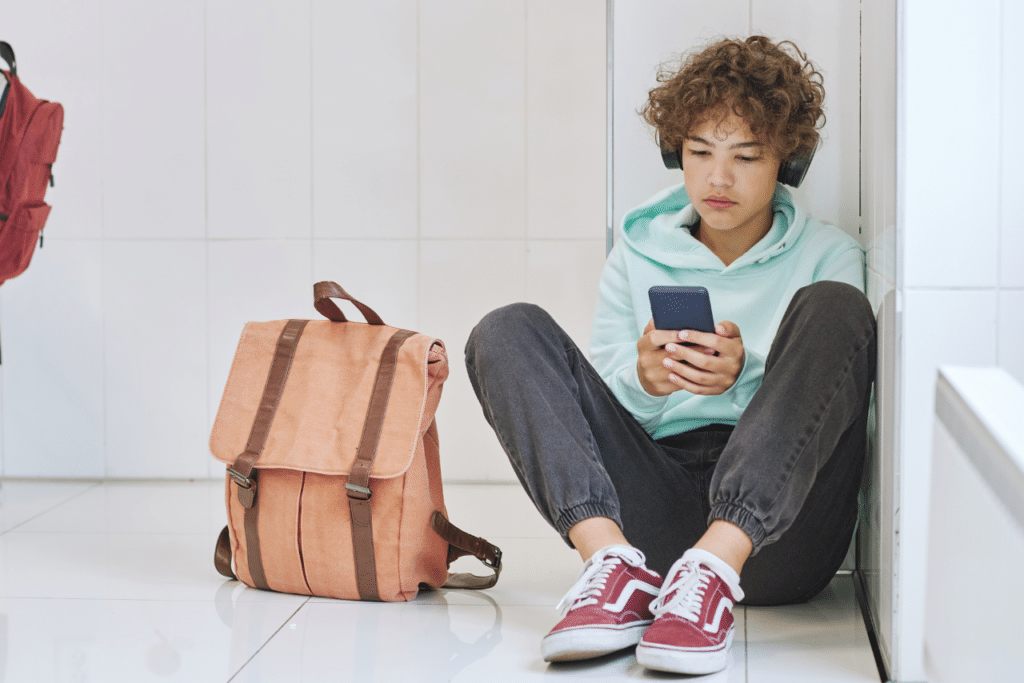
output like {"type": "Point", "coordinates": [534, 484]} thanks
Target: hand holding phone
{"type": "Point", "coordinates": [682, 348]}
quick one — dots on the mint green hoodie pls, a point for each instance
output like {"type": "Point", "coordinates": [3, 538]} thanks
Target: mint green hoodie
{"type": "Point", "coordinates": [655, 247]}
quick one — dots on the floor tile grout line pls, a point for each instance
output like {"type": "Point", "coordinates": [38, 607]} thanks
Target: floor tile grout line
{"type": "Point", "coordinates": [50, 509]}
{"type": "Point", "coordinates": [267, 642]}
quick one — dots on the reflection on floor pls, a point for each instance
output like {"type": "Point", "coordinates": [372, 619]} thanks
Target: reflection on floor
{"type": "Point", "coordinates": [115, 582]}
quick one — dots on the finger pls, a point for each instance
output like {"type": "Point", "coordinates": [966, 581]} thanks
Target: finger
{"type": "Point", "coordinates": [690, 372]}
{"type": "Point", "coordinates": [727, 328]}
{"type": "Point", "coordinates": [706, 339]}
{"type": "Point", "coordinates": [650, 326]}
{"type": "Point", "coordinates": [660, 338]}
{"type": "Point", "coordinates": [683, 382]}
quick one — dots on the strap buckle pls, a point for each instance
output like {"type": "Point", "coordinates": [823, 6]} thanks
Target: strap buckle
{"type": "Point", "coordinates": [497, 559]}
{"type": "Point", "coordinates": [358, 492]}
{"type": "Point", "coordinates": [243, 481]}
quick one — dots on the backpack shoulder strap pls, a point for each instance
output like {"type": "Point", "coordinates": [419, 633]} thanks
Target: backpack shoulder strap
{"type": "Point", "coordinates": [7, 52]}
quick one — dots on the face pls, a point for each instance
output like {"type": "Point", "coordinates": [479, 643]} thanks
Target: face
{"type": "Point", "coordinates": [730, 178]}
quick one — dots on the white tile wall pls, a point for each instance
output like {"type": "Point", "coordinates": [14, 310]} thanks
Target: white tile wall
{"type": "Point", "coordinates": [258, 118]}
{"type": "Point", "coordinates": [53, 357]}
{"type": "Point", "coordinates": [365, 155]}
{"type": "Point", "coordinates": [1011, 332]}
{"type": "Point", "coordinates": [952, 203]}
{"type": "Point", "coordinates": [565, 112]}
{"type": "Point", "coordinates": [472, 119]}
{"type": "Point", "coordinates": [153, 128]}
{"type": "Point", "coordinates": [1011, 144]}
{"type": "Point", "coordinates": [154, 297]}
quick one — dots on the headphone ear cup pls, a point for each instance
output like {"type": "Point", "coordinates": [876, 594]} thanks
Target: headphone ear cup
{"type": "Point", "coordinates": [671, 158]}
{"type": "Point", "coordinates": [793, 170]}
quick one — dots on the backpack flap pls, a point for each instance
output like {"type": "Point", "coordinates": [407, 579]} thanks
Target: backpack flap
{"type": "Point", "coordinates": [318, 423]}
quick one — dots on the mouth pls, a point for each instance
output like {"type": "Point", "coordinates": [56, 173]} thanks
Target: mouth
{"type": "Point", "coordinates": [719, 202]}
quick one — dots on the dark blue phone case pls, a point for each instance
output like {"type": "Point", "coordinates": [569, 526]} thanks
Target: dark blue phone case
{"type": "Point", "coordinates": [681, 308]}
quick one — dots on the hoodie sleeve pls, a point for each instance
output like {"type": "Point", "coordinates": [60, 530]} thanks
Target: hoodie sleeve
{"type": "Point", "coordinates": [613, 339]}
{"type": "Point", "coordinates": [748, 381]}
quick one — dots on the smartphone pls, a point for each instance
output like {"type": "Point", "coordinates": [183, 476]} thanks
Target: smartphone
{"type": "Point", "coordinates": [681, 308]}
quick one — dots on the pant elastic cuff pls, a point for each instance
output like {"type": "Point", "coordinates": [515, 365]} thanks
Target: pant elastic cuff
{"type": "Point", "coordinates": [744, 519]}
{"type": "Point", "coordinates": [574, 515]}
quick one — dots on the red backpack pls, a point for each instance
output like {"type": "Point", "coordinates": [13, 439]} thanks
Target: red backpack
{"type": "Point", "coordinates": [30, 131]}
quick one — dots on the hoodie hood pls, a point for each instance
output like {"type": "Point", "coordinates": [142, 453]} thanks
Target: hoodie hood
{"type": "Point", "coordinates": [659, 230]}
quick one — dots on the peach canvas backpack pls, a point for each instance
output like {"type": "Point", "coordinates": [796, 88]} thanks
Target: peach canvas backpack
{"type": "Point", "coordinates": [333, 483]}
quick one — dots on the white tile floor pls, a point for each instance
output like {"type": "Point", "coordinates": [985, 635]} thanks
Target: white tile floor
{"type": "Point", "coordinates": [114, 582]}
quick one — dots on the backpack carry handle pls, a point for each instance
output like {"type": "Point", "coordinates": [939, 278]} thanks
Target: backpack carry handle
{"type": "Point", "coordinates": [7, 52]}
{"type": "Point", "coordinates": [323, 292]}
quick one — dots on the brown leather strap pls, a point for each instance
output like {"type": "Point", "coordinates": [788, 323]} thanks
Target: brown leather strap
{"type": "Point", "coordinates": [222, 554]}
{"type": "Point", "coordinates": [459, 544]}
{"type": "Point", "coordinates": [358, 486]}
{"type": "Point", "coordinates": [242, 470]}
{"type": "Point", "coordinates": [323, 292]}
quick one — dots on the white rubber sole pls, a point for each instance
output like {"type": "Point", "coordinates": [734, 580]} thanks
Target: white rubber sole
{"type": "Point", "coordinates": [681, 661]}
{"type": "Point", "coordinates": [588, 642]}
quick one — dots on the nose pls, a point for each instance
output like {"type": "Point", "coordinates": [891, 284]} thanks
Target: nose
{"type": "Point", "coordinates": [721, 173]}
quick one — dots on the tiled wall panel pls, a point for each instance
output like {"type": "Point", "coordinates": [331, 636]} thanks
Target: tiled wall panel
{"type": "Point", "coordinates": [258, 118]}
{"type": "Point", "coordinates": [1011, 332]}
{"type": "Point", "coordinates": [154, 299]}
{"type": "Point", "coordinates": [153, 126]}
{"type": "Point", "coordinates": [951, 204]}
{"type": "Point", "coordinates": [53, 358]}
{"type": "Point", "coordinates": [566, 130]}
{"type": "Point", "coordinates": [1011, 146]}
{"type": "Point", "coordinates": [472, 119]}
{"type": "Point", "coordinates": [365, 153]}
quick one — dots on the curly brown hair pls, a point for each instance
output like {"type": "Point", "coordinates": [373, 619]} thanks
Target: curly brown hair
{"type": "Point", "coordinates": [778, 93]}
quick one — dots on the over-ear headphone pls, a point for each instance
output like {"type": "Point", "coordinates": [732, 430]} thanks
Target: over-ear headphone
{"type": "Point", "coordinates": [791, 171]}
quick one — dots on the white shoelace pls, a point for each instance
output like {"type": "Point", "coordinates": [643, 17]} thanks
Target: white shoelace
{"type": "Point", "coordinates": [684, 596]}
{"type": "Point", "coordinates": [594, 576]}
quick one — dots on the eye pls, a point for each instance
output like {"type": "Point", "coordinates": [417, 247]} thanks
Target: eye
{"type": "Point", "coordinates": [749, 159]}
{"type": "Point", "coordinates": [698, 152]}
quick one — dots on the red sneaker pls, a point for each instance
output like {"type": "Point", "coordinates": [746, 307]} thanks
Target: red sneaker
{"type": "Point", "coordinates": [607, 607]}
{"type": "Point", "coordinates": [693, 628]}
